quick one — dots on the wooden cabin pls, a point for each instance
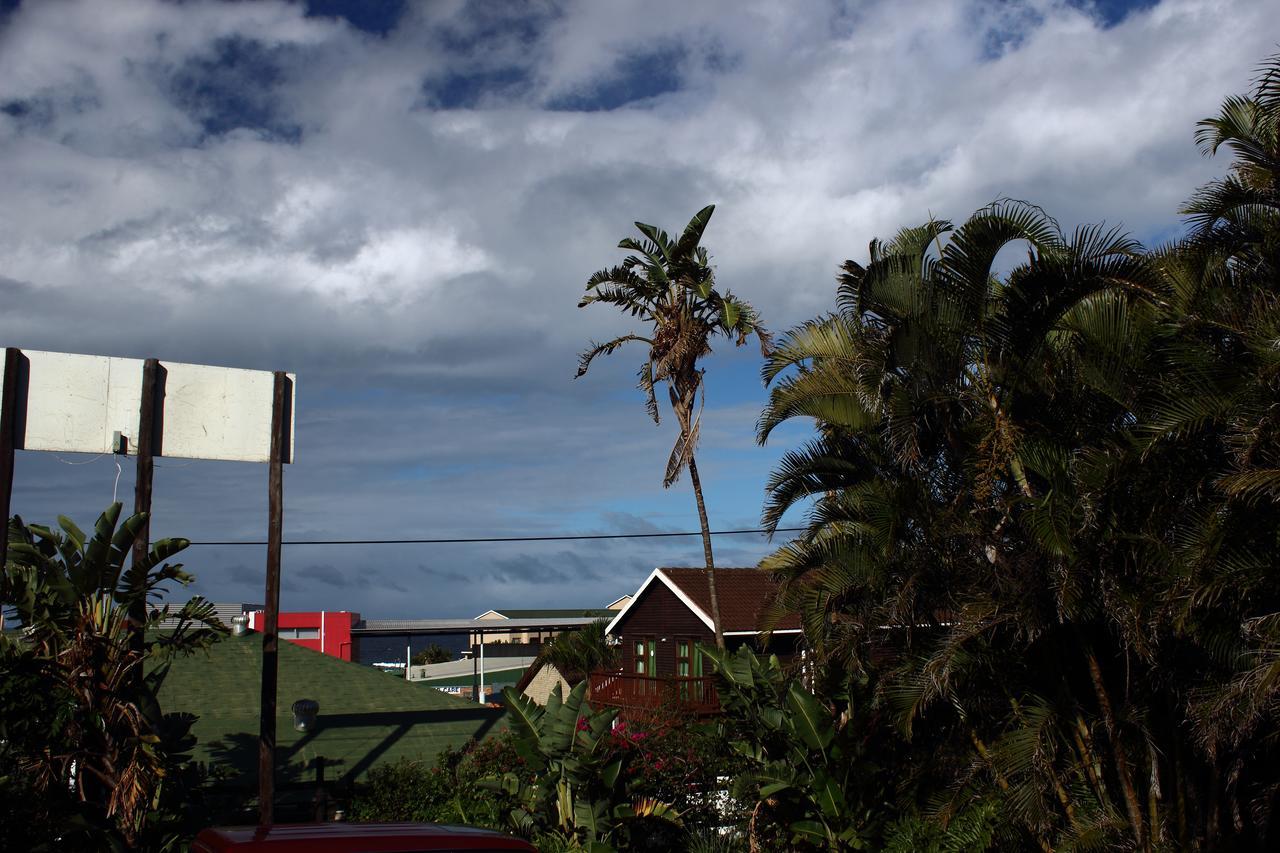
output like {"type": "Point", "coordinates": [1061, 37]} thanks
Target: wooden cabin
{"type": "Point", "coordinates": [661, 628]}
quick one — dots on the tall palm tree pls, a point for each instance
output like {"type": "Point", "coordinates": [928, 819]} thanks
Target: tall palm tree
{"type": "Point", "coordinates": [670, 286]}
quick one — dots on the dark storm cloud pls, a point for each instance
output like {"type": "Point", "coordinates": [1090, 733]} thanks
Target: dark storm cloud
{"type": "Point", "coordinates": [331, 576]}
{"type": "Point", "coordinates": [626, 522]}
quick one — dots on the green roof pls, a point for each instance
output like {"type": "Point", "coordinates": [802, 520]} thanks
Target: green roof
{"type": "Point", "coordinates": [598, 613]}
{"type": "Point", "coordinates": [367, 717]}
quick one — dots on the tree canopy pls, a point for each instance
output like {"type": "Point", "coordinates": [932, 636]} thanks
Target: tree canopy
{"type": "Point", "coordinates": [1043, 509]}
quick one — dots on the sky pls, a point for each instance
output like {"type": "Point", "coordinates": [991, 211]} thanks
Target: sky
{"type": "Point", "coordinates": [401, 203]}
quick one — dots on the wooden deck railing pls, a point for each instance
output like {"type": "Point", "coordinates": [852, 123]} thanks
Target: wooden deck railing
{"type": "Point", "coordinates": [643, 692]}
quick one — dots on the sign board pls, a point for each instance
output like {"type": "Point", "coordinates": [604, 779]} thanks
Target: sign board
{"type": "Point", "coordinates": [78, 403]}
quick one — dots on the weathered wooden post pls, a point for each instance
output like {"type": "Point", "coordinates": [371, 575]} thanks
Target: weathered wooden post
{"type": "Point", "coordinates": [146, 446]}
{"type": "Point", "coordinates": [8, 424]}
{"type": "Point", "coordinates": [280, 420]}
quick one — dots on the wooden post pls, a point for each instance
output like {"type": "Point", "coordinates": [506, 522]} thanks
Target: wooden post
{"type": "Point", "coordinates": [280, 418]}
{"type": "Point", "coordinates": [146, 449]}
{"type": "Point", "coordinates": [8, 424]}
{"type": "Point", "coordinates": [321, 800]}
{"type": "Point", "coordinates": [142, 493]}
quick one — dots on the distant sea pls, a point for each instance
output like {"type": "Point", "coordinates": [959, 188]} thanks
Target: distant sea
{"type": "Point", "coordinates": [371, 650]}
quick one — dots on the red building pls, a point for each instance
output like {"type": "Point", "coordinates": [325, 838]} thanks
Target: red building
{"type": "Point", "coordinates": [326, 631]}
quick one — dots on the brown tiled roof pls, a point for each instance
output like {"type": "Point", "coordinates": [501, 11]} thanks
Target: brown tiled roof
{"type": "Point", "coordinates": [743, 594]}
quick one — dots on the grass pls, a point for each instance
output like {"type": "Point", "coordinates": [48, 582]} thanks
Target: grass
{"type": "Point", "coordinates": [367, 717]}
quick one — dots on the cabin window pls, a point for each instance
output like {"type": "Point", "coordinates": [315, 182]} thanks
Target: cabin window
{"type": "Point", "coordinates": [646, 656]}
{"type": "Point", "coordinates": [683, 658]}
{"type": "Point", "coordinates": [689, 665]}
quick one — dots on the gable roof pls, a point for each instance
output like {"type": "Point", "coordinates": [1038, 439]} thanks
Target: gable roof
{"type": "Point", "coordinates": [743, 594]}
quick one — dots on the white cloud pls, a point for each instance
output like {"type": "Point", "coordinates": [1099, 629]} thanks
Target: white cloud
{"type": "Point", "coordinates": [416, 259]}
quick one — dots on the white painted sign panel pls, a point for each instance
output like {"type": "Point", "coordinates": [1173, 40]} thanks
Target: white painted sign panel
{"type": "Point", "coordinates": [77, 403]}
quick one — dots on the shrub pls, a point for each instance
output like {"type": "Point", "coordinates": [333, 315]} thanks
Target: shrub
{"type": "Point", "coordinates": [441, 792]}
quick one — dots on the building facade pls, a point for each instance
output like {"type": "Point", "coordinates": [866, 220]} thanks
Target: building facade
{"type": "Point", "coordinates": [324, 631]}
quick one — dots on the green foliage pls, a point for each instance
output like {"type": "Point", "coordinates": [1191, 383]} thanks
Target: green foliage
{"type": "Point", "coordinates": [972, 830]}
{"type": "Point", "coordinates": [432, 654]}
{"type": "Point", "coordinates": [447, 791]}
{"type": "Point", "coordinates": [807, 767]}
{"type": "Point", "coordinates": [578, 653]}
{"type": "Point", "coordinates": [572, 783]}
{"type": "Point", "coordinates": [80, 721]}
{"type": "Point", "coordinates": [1043, 514]}
{"type": "Point", "coordinates": [714, 841]}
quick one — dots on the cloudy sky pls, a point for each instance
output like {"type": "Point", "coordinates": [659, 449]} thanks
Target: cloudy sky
{"type": "Point", "coordinates": [400, 202]}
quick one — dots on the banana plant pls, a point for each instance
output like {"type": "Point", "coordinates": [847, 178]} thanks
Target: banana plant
{"type": "Point", "coordinates": [810, 771]}
{"type": "Point", "coordinates": [574, 783]}
{"type": "Point", "coordinates": [97, 641]}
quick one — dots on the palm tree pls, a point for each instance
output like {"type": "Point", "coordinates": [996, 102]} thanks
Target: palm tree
{"type": "Point", "coordinates": [578, 653]}
{"type": "Point", "coordinates": [1044, 508]}
{"type": "Point", "coordinates": [1247, 200]}
{"type": "Point", "coordinates": [963, 422]}
{"type": "Point", "coordinates": [1218, 393]}
{"type": "Point", "coordinates": [670, 285]}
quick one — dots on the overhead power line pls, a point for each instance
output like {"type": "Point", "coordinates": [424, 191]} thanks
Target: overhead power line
{"type": "Point", "coordinates": [561, 538]}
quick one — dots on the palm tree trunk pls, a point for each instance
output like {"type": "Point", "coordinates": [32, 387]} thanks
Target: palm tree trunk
{"type": "Point", "coordinates": [706, 552]}
{"type": "Point", "coordinates": [1123, 770]}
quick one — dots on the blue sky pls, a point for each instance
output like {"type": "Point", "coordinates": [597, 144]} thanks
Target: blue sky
{"type": "Point", "coordinates": [401, 202]}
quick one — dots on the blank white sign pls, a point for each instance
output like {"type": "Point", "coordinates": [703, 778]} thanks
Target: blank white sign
{"type": "Point", "coordinates": [76, 403]}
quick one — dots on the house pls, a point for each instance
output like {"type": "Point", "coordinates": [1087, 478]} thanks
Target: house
{"type": "Point", "coordinates": [661, 629]}
{"type": "Point", "coordinates": [542, 677]}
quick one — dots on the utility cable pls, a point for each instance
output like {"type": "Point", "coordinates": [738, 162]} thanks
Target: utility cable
{"type": "Point", "coordinates": [560, 538]}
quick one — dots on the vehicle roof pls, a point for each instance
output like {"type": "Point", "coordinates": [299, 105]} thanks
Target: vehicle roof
{"type": "Point", "coordinates": [385, 837]}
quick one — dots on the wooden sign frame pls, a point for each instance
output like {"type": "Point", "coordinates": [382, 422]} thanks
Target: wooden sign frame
{"type": "Point", "coordinates": [79, 409]}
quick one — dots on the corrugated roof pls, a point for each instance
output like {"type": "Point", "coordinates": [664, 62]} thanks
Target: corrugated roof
{"type": "Point", "coordinates": [224, 610]}
{"type": "Point", "coordinates": [462, 626]}
{"type": "Point", "coordinates": [743, 594]}
{"type": "Point", "coordinates": [593, 612]}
